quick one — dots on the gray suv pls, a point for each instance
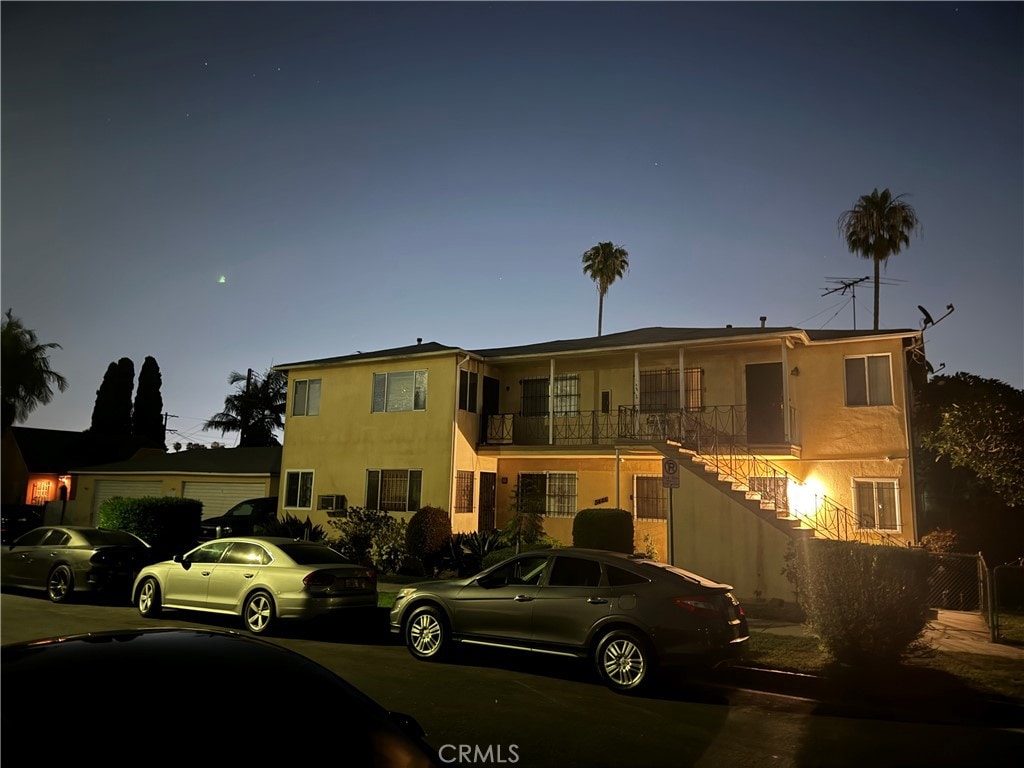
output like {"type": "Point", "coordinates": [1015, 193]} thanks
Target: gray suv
{"type": "Point", "coordinates": [626, 613]}
{"type": "Point", "coordinates": [241, 519]}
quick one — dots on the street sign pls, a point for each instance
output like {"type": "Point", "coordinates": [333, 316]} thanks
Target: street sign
{"type": "Point", "coordinates": [669, 473]}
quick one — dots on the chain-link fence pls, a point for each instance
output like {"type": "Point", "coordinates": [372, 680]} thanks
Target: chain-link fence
{"type": "Point", "coordinates": [1007, 595]}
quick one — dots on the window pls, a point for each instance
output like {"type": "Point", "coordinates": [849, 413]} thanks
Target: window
{"type": "Point", "coordinates": [618, 577]}
{"type": "Point", "coordinates": [306, 398]}
{"type": "Point", "coordinates": [606, 401]}
{"type": "Point", "coordinates": [549, 493]}
{"type": "Point", "coordinates": [649, 498]}
{"type": "Point", "coordinates": [463, 491]}
{"type": "Point", "coordinates": [393, 490]}
{"type": "Point", "coordinates": [566, 392]}
{"type": "Point", "coordinates": [575, 572]}
{"type": "Point", "coordinates": [523, 571]}
{"type": "Point", "coordinates": [467, 391]}
{"type": "Point", "coordinates": [298, 490]}
{"type": "Point", "coordinates": [659, 390]}
{"type": "Point", "coordinates": [877, 504]}
{"type": "Point", "coordinates": [245, 553]}
{"type": "Point", "coordinates": [868, 380]}
{"type": "Point", "coordinates": [211, 553]}
{"type": "Point", "coordinates": [400, 391]}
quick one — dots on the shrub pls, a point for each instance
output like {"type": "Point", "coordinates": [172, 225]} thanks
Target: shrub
{"type": "Point", "coordinates": [291, 527]}
{"type": "Point", "coordinates": [610, 529]}
{"type": "Point", "coordinates": [867, 604]}
{"type": "Point", "coordinates": [169, 525]}
{"type": "Point", "coordinates": [387, 547]}
{"type": "Point", "coordinates": [426, 536]}
{"type": "Point", "coordinates": [941, 540]}
{"type": "Point", "coordinates": [357, 531]}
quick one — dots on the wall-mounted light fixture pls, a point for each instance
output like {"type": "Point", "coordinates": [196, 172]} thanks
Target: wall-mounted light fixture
{"type": "Point", "coordinates": [795, 371]}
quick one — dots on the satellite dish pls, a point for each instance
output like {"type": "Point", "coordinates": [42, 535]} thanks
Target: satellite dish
{"type": "Point", "coordinates": [927, 316]}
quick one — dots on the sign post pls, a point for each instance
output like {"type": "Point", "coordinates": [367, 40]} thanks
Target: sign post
{"type": "Point", "coordinates": [670, 480]}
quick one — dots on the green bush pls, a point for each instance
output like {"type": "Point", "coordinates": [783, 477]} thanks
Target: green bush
{"type": "Point", "coordinates": [169, 525]}
{"type": "Point", "coordinates": [867, 604]}
{"type": "Point", "coordinates": [357, 531]}
{"type": "Point", "coordinates": [428, 533]}
{"type": "Point", "coordinates": [387, 548]}
{"type": "Point", "coordinates": [610, 529]}
{"type": "Point", "coordinates": [291, 527]}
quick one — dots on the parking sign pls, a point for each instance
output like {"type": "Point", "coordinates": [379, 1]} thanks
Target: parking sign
{"type": "Point", "coordinates": [669, 473]}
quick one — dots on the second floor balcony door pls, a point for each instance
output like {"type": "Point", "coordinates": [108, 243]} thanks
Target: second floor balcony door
{"type": "Point", "coordinates": [765, 419]}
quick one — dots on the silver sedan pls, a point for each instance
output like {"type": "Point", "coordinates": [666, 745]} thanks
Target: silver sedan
{"type": "Point", "coordinates": [261, 579]}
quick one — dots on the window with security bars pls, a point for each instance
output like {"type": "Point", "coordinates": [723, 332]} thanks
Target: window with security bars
{"type": "Point", "coordinates": [549, 493]}
{"type": "Point", "coordinates": [464, 491]}
{"type": "Point", "coordinates": [876, 504]}
{"type": "Point", "coordinates": [565, 391]}
{"type": "Point", "coordinates": [659, 390]}
{"type": "Point", "coordinates": [393, 490]}
{"type": "Point", "coordinates": [649, 498]}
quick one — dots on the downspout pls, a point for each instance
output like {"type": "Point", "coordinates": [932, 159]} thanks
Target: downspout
{"type": "Point", "coordinates": [455, 435]}
{"type": "Point", "coordinates": [908, 405]}
{"type": "Point", "coordinates": [787, 427]}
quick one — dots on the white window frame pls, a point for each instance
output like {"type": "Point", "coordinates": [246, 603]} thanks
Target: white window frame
{"type": "Point", "coordinates": [306, 405]}
{"type": "Point", "coordinates": [867, 381]}
{"type": "Point", "coordinates": [380, 401]}
{"type": "Point", "coordinates": [875, 482]}
{"type": "Point", "coordinates": [298, 491]}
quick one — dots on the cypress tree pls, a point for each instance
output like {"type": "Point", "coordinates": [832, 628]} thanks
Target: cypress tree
{"type": "Point", "coordinates": [147, 417]}
{"type": "Point", "coordinates": [112, 413]}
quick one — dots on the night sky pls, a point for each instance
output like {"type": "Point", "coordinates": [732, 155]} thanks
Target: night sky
{"type": "Point", "coordinates": [361, 175]}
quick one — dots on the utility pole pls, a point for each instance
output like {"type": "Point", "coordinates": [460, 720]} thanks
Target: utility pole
{"type": "Point", "coordinates": [166, 417]}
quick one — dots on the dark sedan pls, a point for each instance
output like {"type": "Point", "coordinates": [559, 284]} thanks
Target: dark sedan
{"type": "Point", "coordinates": [66, 559]}
{"type": "Point", "coordinates": [627, 614]}
{"type": "Point", "coordinates": [156, 686]}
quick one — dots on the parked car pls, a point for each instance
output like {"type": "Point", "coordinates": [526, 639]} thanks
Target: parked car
{"type": "Point", "coordinates": [259, 578]}
{"type": "Point", "coordinates": [151, 681]}
{"type": "Point", "coordinates": [627, 614]}
{"type": "Point", "coordinates": [241, 519]}
{"type": "Point", "coordinates": [16, 519]}
{"type": "Point", "coordinates": [67, 559]}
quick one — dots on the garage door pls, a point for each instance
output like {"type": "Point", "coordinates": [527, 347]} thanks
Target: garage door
{"type": "Point", "coordinates": [218, 498]}
{"type": "Point", "coordinates": [132, 489]}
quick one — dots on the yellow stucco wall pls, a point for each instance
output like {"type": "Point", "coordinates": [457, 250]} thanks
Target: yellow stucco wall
{"type": "Point", "coordinates": [346, 438]}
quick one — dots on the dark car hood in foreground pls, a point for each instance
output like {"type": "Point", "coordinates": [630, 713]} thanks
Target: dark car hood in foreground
{"type": "Point", "coordinates": [197, 695]}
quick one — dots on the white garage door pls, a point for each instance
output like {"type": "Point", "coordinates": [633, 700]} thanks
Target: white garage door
{"type": "Point", "coordinates": [218, 498]}
{"type": "Point", "coordinates": [132, 489]}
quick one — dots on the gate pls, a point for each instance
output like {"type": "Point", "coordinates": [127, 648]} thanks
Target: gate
{"type": "Point", "coordinates": [956, 582]}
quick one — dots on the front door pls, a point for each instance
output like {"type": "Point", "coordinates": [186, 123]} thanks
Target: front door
{"type": "Point", "coordinates": [765, 420]}
{"type": "Point", "coordinates": [486, 505]}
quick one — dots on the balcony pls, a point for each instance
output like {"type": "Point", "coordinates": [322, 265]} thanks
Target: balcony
{"type": "Point", "coordinates": [712, 429]}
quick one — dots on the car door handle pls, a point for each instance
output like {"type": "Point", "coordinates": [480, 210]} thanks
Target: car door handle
{"type": "Point", "coordinates": [205, 573]}
{"type": "Point", "coordinates": [522, 598]}
{"type": "Point", "coordinates": [597, 601]}
{"type": "Point", "coordinates": [248, 575]}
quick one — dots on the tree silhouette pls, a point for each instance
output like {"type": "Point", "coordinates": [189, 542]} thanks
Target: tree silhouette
{"type": "Point", "coordinates": [27, 379]}
{"type": "Point", "coordinates": [112, 412]}
{"type": "Point", "coordinates": [604, 264]}
{"type": "Point", "coordinates": [255, 409]}
{"type": "Point", "coordinates": [147, 415]}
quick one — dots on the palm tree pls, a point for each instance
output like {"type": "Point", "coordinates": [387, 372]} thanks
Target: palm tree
{"type": "Point", "coordinates": [878, 226]}
{"type": "Point", "coordinates": [27, 380]}
{"type": "Point", "coordinates": [255, 409]}
{"type": "Point", "coordinates": [604, 264]}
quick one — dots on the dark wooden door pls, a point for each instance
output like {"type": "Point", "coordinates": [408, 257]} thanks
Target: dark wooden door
{"type": "Point", "coordinates": [765, 419]}
{"type": "Point", "coordinates": [491, 407]}
{"type": "Point", "coordinates": [486, 505]}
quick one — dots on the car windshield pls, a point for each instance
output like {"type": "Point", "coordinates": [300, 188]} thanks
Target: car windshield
{"type": "Point", "coordinates": [305, 553]}
{"type": "Point", "coordinates": [100, 536]}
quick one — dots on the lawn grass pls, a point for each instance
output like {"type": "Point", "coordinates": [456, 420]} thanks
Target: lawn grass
{"type": "Point", "coordinates": [386, 599]}
{"type": "Point", "coordinates": [984, 673]}
{"type": "Point", "coordinates": [1011, 627]}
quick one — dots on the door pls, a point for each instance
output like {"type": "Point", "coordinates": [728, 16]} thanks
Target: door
{"type": "Point", "coordinates": [765, 418]}
{"type": "Point", "coordinates": [500, 606]}
{"type": "Point", "coordinates": [486, 505]}
{"type": "Point", "coordinates": [189, 586]}
{"type": "Point", "coordinates": [569, 604]}
{"type": "Point", "coordinates": [491, 407]}
{"type": "Point", "coordinates": [236, 572]}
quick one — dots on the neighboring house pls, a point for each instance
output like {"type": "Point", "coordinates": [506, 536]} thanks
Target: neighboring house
{"type": "Point", "coordinates": [37, 462]}
{"type": "Point", "coordinates": [776, 434]}
{"type": "Point", "coordinates": [218, 477]}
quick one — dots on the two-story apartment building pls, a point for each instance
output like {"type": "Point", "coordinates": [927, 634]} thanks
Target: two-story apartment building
{"type": "Point", "coordinates": [775, 434]}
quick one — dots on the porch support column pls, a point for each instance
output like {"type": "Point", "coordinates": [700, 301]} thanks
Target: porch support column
{"type": "Point", "coordinates": [682, 383]}
{"type": "Point", "coordinates": [551, 404]}
{"type": "Point", "coordinates": [636, 393]}
{"type": "Point", "coordinates": [785, 392]}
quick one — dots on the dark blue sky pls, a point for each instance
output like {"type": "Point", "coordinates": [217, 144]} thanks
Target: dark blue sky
{"type": "Point", "coordinates": [366, 174]}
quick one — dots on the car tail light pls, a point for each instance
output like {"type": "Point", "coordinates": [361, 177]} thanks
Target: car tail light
{"type": "Point", "coordinates": [698, 606]}
{"type": "Point", "coordinates": [318, 579]}
{"type": "Point", "coordinates": [371, 576]}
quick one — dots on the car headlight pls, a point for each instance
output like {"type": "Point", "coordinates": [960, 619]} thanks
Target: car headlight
{"type": "Point", "coordinates": [405, 592]}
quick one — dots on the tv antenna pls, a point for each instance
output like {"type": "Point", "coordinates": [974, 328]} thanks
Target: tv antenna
{"type": "Point", "coordinates": [844, 284]}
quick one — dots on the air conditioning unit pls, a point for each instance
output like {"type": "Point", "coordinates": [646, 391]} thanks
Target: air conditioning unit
{"type": "Point", "coordinates": [336, 503]}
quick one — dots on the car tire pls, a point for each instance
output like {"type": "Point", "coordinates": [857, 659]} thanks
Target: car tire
{"type": "Point", "coordinates": [258, 613]}
{"type": "Point", "coordinates": [60, 584]}
{"type": "Point", "coordinates": [148, 599]}
{"type": "Point", "coordinates": [426, 634]}
{"type": "Point", "coordinates": [624, 661]}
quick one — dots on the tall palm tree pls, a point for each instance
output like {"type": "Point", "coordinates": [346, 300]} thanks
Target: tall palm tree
{"type": "Point", "coordinates": [604, 264]}
{"type": "Point", "coordinates": [878, 226]}
{"type": "Point", "coordinates": [27, 379]}
{"type": "Point", "coordinates": [255, 409]}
